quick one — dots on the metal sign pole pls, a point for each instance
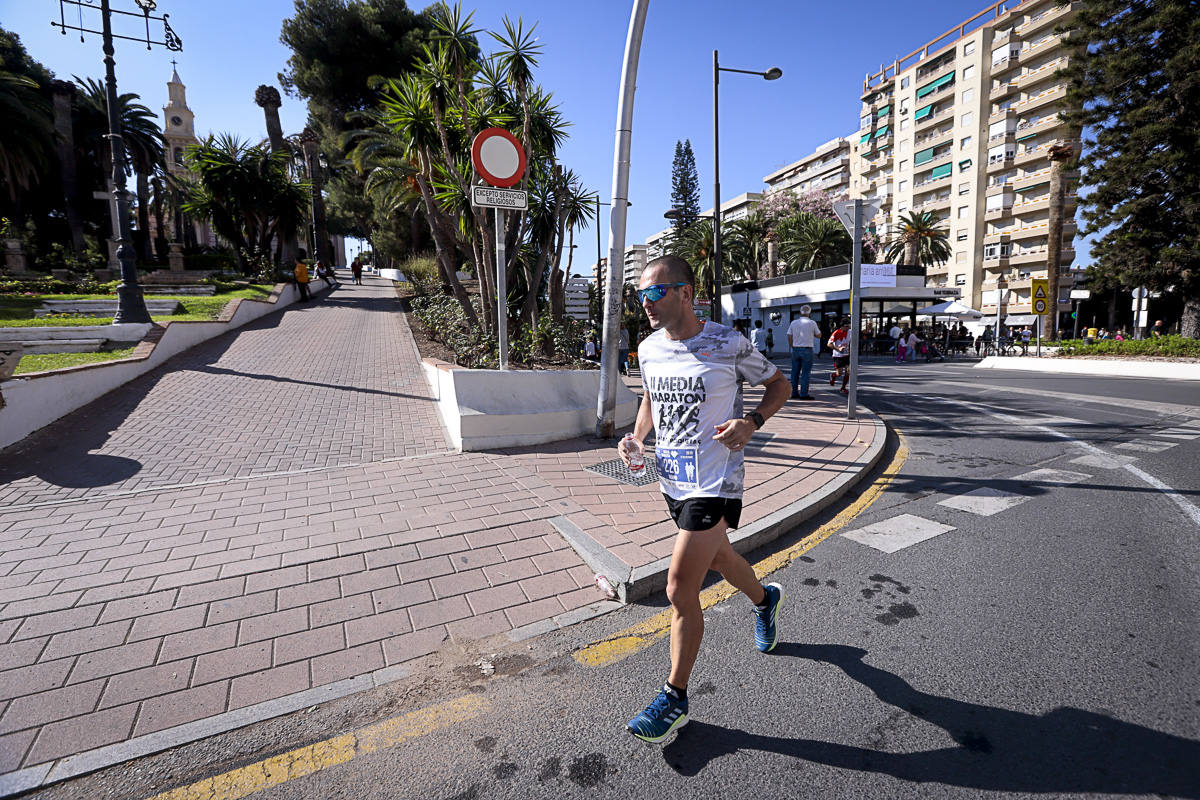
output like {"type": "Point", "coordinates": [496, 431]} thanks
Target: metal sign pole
{"type": "Point", "coordinates": [1039, 333]}
{"type": "Point", "coordinates": [855, 310]}
{"type": "Point", "coordinates": [501, 291]}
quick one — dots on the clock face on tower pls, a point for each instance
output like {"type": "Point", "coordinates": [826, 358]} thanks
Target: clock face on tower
{"type": "Point", "coordinates": [176, 121]}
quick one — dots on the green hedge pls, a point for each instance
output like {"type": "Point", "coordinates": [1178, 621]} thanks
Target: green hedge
{"type": "Point", "coordinates": [1166, 347]}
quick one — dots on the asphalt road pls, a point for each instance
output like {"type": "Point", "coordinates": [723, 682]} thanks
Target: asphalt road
{"type": "Point", "coordinates": [1043, 643]}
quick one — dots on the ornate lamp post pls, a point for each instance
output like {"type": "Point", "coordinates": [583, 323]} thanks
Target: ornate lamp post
{"type": "Point", "coordinates": [774, 73]}
{"type": "Point", "coordinates": [131, 307]}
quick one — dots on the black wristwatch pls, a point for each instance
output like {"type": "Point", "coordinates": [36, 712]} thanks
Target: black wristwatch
{"type": "Point", "coordinates": [756, 418]}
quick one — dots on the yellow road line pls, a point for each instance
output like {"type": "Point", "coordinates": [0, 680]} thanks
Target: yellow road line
{"type": "Point", "coordinates": [635, 638]}
{"type": "Point", "coordinates": [247, 780]}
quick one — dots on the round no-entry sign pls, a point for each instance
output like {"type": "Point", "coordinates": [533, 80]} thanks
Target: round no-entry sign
{"type": "Point", "coordinates": [498, 157]}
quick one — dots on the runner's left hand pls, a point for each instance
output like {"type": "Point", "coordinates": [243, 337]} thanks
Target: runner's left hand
{"type": "Point", "coordinates": [734, 433]}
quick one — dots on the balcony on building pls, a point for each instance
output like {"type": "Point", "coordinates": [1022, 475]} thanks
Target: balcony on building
{"type": "Point", "coordinates": [1041, 205]}
{"type": "Point", "coordinates": [1036, 229]}
{"type": "Point", "coordinates": [1047, 17]}
{"type": "Point", "coordinates": [931, 115]}
{"type": "Point", "coordinates": [936, 178]}
{"type": "Point", "coordinates": [1048, 121]}
{"type": "Point", "coordinates": [999, 212]}
{"type": "Point", "coordinates": [1048, 95]}
{"type": "Point", "coordinates": [1041, 47]}
{"type": "Point", "coordinates": [1001, 90]}
{"type": "Point", "coordinates": [1003, 113]}
{"type": "Point", "coordinates": [1006, 59]}
{"type": "Point", "coordinates": [1046, 72]}
{"type": "Point", "coordinates": [1029, 180]}
{"type": "Point", "coordinates": [929, 203]}
{"type": "Point", "coordinates": [934, 138]}
{"type": "Point", "coordinates": [1002, 161]}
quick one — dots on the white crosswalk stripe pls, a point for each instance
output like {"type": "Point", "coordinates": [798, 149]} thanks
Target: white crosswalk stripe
{"type": "Point", "coordinates": [1179, 433]}
{"type": "Point", "coordinates": [1113, 461]}
{"type": "Point", "coordinates": [1062, 476]}
{"type": "Point", "coordinates": [985, 501]}
{"type": "Point", "coordinates": [897, 532]}
{"type": "Point", "coordinates": [1145, 446]}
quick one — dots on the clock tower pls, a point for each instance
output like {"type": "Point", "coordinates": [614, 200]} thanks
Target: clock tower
{"type": "Point", "coordinates": [179, 130]}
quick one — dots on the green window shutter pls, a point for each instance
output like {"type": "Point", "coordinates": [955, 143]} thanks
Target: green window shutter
{"type": "Point", "coordinates": [883, 112]}
{"type": "Point", "coordinates": [866, 137]}
{"type": "Point", "coordinates": [941, 172]}
{"type": "Point", "coordinates": [922, 157]}
{"type": "Point", "coordinates": [964, 165]}
{"type": "Point", "coordinates": [929, 88]}
{"type": "Point", "coordinates": [879, 134]}
{"type": "Point", "coordinates": [923, 112]}
{"type": "Point", "coordinates": [1023, 138]}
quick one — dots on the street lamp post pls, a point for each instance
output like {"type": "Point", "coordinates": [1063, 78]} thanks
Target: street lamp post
{"type": "Point", "coordinates": [131, 306]}
{"type": "Point", "coordinates": [774, 73]}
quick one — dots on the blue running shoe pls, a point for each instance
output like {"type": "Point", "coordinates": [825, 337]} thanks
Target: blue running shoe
{"type": "Point", "coordinates": [665, 714]}
{"type": "Point", "coordinates": [765, 632]}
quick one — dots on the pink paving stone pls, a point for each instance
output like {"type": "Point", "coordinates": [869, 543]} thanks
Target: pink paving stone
{"type": "Point", "coordinates": [553, 583]}
{"type": "Point", "coordinates": [510, 571]}
{"type": "Point", "coordinates": [533, 612]}
{"type": "Point", "coordinates": [307, 593]}
{"type": "Point", "coordinates": [228, 663]}
{"type": "Point", "coordinates": [369, 581]}
{"type": "Point", "coordinates": [403, 648]}
{"type": "Point", "coordinates": [478, 626]}
{"type": "Point", "coordinates": [235, 608]}
{"type": "Point", "coordinates": [58, 621]}
{"type": "Point", "coordinates": [408, 594]}
{"type": "Point", "coordinates": [195, 642]}
{"type": "Point", "coordinates": [377, 626]}
{"type": "Point", "coordinates": [481, 557]}
{"type": "Point", "coordinates": [173, 709]}
{"type": "Point", "coordinates": [33, 678]}
{"type": "Point", "coordinates": [499, 597]}
{"type": "Point", "coordinates": [340, 610]}
{"type": "Point", "coordinates": [347, 663]}
{"type": "Point", "coordinates": [279, 623]}
{"type": "Point", "coordinates": [307, 644]}
{"type": "Point", "coordinates": [269, 684]}
{"type": "Point", "coordinates": [559, 559]}
{"type": "Point", "coordinates": [391, 555]}
{"type": "Point", "coordinates": [49, 706]}
{"type": "Point", "coordinates": [208, 592]}
{"type": "Point", "coordinates": [13, 747]}
{"type": "Point", "coordinates": [180, 619]}
{"type": "Point", "coordinates": [276, 578]}
{"type": "Point", "coordinates": [138, 606]}
{"type": "Point", "coordinates": [191, 577]}
{"type": "Point", "coordinates": [425, 568]}
{"type": "Point", "coordinates": [459, 583]}
{"type": "Point", "coordinates": [22, 653]}
{"type": "Point", "coordinates": [129, 687]}
{"type": "Point", "coordinates": [97, 637]}
{"type": "Point", "coordinates": [114, 660]}
{"type": "Point", "coordinates": [580, 597]}
{"type": "Point", "coordinates": [83, 733]}
{"type": "Point", "coordinates": [439, 612]}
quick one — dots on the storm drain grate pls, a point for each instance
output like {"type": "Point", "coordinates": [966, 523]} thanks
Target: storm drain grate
{"type": "Point", "coordinates": [617, 471]}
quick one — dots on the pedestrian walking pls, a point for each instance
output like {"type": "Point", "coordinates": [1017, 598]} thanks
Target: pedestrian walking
{"type": "Point", "coordinates": [804, 337]}
{"type": "Point", "coordinates": [356, 268]}
{"type": "Point", "coordinates": [692, 370]}
{"type": "Point", "coordinates": [758, 338]}
{"type": "Point", "coordinates": [623, 350]}
{"type": "Point", "coordinates": [910, 346]}
{"type": "Point", "coordinates": [301, 273]}
{"type": "Point", "coordinates": [897, 336]}
{"type": "Point", "coordinates": [839, 343]}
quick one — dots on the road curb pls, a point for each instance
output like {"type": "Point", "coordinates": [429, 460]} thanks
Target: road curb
{"type": "Point", "coordinates": [634, 583]}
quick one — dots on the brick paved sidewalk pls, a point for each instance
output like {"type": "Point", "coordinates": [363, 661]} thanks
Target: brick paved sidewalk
{"type": "Point", "coordinates": [295, 555]}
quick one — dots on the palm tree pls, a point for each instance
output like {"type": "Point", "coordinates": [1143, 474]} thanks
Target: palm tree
{"type": "Point", "coordinates": [807, 242]}
{"type": "Point", "coordinates": [745, 245]}
{"type": "Point", "coordinates": [1061, 153]}
{"type": "Point", "coordinates": [26, 135]}
{"type": "Point", "coordinates": [579, 208]}
{"type": "Point", "coordinates": [695, 245]}
{"type": "Point", "coordinates": [921, 241]}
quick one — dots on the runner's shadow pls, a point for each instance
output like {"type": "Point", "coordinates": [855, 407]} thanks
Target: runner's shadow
{"type": "Point", "coordinates": [1065, 750]}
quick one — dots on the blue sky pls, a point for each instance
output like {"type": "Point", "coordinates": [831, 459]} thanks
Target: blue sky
{"type": "Point", "coordinates": [824, 50]}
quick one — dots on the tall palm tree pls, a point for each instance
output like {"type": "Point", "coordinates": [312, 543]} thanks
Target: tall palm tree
{"type": "Point", "coordinates": [920, 241]}
{"type": "Point", "coordinates": [695, 245]}
{"type": "Point", "coordinates": [27, 134]}
{"type": "Point", "coordinates": [579, 208]}
{"type": "Point", "coordinates": [745, 245]}
{"type": "Point", "coordinates": [807, 242]}
{"type": "Point", "coordinates": [1061, 153]}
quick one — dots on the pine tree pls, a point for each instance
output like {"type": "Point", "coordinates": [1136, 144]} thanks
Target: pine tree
{"type": "Point", "coordinates": [1135, 79]}
{"type": "Point", "coordinates": [685, 186]}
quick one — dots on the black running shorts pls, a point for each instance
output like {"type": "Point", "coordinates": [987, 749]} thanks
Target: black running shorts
{"type": "Point", "coordinates": [703, 513]}
{"type": "Point", "coordinates": [841, 361]}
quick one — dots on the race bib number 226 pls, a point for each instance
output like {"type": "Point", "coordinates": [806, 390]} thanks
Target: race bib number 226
{"type": "Point", "coordinates": [677, 465]}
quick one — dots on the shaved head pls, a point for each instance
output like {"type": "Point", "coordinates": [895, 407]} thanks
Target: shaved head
{"type": "Point", "coordinates": [676, 269]}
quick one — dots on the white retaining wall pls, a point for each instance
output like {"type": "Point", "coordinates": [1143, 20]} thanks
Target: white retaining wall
{"type": "Point", "coordinates": [488, 409]}
{"type": "Point", "coordinates": [1110, 367]}
{"type": "Point", "coordinates": [35, 400]}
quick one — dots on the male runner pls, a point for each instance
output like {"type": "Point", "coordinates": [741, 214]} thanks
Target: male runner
{"type": "Point", "coordinates": [692, 371]}
{"type": "Point", "coordinates": [839, 343]}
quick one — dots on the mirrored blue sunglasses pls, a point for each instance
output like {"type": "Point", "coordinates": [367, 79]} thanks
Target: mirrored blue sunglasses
{"type": "Point", "coordinates": [657, 292]}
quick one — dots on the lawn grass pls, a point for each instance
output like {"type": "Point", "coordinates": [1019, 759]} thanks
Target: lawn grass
{"type": "Point", "coordinates": [40, 362]}
{"type": "Point", "coordinates": [18, 311]}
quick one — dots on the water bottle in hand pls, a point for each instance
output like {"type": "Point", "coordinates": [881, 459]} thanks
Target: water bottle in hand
{"type": "Point", "coordinates": [637, 454]}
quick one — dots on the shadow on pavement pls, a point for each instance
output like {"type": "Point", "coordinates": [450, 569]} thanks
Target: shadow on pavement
{"type": "Point", "coordinates": [1066, 750]}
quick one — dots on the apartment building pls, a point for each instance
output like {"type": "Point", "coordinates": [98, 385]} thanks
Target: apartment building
{"type": "Point", "coordinates": [825, 169]}
{"type": "Point", "coordinates": [961, 127]}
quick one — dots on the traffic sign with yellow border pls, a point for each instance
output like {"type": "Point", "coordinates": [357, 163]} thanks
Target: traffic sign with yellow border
{"type": "Point", "coordinates": [1041, 295]}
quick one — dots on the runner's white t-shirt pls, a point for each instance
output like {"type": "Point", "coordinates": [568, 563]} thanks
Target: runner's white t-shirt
{"type": "Point", "coordinates": [695, 385]}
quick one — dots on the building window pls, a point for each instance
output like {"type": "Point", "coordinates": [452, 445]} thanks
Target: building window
{"type": "Point", "coordinates": [903, 107]}
{"type": "Point", "coordinates": [968, 95]}
{"type": "Point", "coordinates": [901, 167]}
{"type": "Point", "coordinates": [179, 156]}
{"type": "Point", "coordinates": [904, 82]}
{"type": "Point", "coordinates": [900, 209]}
{"type": "Point", "coordinates": [968, 48]}
{"type": "Point", "coordinates": [903, 124]}
{"type": "Point", "coordinates": [903, 144]}
{"type": "Point", "coordinates": [960, 280]}
{"type": "Point", "coordinates": [964, 143]}
{"type": "Point", "coordinates": [961, 236]}
{"type": "Point", "coordinates": [962, 212]}
{"type": "Point", "coordinates": [968, 72]}
{"type": "Point", "coordinates": [967, 120]}
{"type": "Point", "coordinates": [965, 165]}
{"type": "Point", "coordinates": [960, 257]}
{"type": "Point", "coordinates": [902, 187]}
{"type": "Point", "coordinates": [964, 188]}
{"type": "Point", "coordinates": [864, 121]}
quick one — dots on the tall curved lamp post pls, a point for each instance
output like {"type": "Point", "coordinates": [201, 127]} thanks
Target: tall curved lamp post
{"type": "Point", "coordinates": [774, 73]}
